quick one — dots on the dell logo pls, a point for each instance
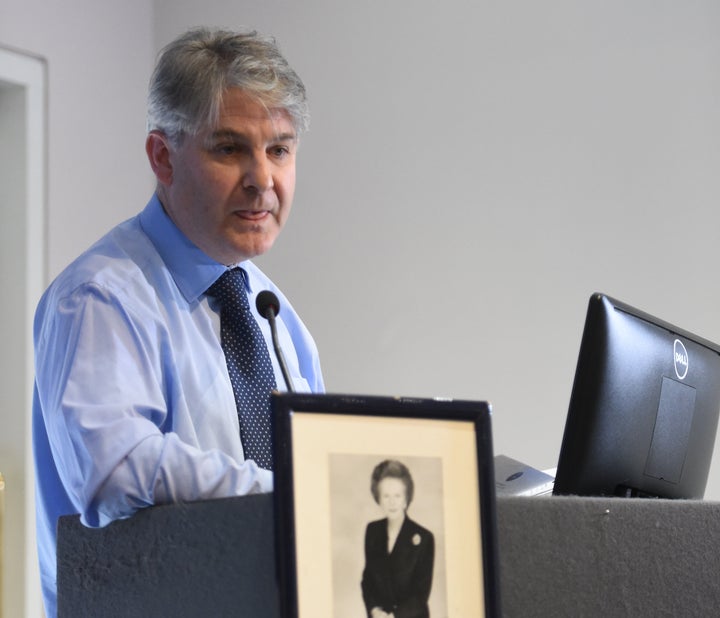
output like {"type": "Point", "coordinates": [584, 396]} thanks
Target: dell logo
{"type": "Point", "coordinates": [681, 359]}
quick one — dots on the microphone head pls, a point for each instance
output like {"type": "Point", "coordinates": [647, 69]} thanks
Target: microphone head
{"type": "Point", "coordinates": [267, 302]}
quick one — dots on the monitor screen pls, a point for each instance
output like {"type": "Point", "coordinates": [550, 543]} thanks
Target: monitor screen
{"type": "Point", "coordinates": [644, 408]}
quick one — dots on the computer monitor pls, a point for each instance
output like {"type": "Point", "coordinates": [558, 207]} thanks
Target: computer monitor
{"type": "Point", "coordinates": [644, 408]}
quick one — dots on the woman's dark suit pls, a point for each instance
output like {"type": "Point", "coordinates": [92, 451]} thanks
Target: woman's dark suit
{"type": "Point", "coordinates": [398, 582]}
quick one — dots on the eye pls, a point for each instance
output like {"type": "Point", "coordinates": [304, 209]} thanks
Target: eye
{"type": "Point", "coordinates": [227, 149]}
{"type": "Point", "coordinates": [280, 151]}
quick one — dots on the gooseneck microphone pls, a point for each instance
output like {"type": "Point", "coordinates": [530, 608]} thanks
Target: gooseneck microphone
{"type": "Point", "coordinates": [268, 306]}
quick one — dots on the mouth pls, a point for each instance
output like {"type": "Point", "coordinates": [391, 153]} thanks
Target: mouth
{"type": "Point", "coordinates": [252, 215]}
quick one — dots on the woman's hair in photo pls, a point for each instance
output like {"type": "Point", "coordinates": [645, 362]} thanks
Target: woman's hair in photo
{"type": "Point", "coordinates": [391, 468]}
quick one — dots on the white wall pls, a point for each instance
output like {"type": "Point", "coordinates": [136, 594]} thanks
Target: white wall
{"type": "Point", "coordinates": [99, 55]}
{"type": "Point", "coordinates": [475, 170]}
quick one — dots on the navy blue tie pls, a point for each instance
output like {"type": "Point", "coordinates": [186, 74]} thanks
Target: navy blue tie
{"type": "Point", "coordinates": [248, 363]}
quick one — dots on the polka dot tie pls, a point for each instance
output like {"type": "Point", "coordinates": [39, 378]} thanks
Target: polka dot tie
{"type": "Point", "coordinates": [248, 363]}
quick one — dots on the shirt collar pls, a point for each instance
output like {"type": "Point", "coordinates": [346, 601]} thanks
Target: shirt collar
{"type": "Point", "coordinates": [191, 268]}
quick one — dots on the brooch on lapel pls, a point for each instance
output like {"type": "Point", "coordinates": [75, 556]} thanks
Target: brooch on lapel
{"type": "Point", "coordinates": [416, 539]}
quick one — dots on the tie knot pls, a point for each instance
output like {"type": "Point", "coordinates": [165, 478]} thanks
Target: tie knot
{"type": "Point", "coordinates": [230, 287]}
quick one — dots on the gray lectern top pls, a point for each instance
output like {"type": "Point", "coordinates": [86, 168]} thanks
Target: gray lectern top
{"type": "Point", "coordinates": [559, 557]}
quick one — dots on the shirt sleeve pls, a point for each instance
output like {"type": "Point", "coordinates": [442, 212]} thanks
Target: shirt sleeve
{"type": "Point", "coordinates": [103, 390]}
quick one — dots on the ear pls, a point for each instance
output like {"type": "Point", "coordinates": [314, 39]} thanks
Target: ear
{"type": "Point", "coordinates": [157, 147]}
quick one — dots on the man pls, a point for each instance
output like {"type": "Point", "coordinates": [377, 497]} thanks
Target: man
{"type": "Point", "coordinates": [134, 403]}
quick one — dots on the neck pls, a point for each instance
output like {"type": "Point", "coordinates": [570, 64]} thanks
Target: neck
{"type": "Point", "coordinates": [396, 524]}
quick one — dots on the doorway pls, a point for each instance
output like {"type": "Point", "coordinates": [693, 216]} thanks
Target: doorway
{"type": "Point", "coordinates": [22, 279]}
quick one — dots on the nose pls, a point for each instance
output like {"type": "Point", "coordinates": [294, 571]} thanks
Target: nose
{"type": "Point", "coordinates": [258, 176]}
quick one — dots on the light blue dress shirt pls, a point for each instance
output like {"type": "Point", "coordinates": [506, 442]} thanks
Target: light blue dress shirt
{"type": "Point", "coordinates": [133, 405]}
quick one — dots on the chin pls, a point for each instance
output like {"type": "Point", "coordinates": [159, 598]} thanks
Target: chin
{"type": "Point", "coordinates": [250, 248]}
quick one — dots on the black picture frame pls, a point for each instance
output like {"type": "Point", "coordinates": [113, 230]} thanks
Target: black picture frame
{"type": "Point", "coordinates": [309, 429]}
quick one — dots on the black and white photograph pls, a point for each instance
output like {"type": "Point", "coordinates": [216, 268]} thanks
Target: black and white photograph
{"type": "Point", "coordinates": [384, 513]}
{"type": "Point", "coordinates": [387, 536]}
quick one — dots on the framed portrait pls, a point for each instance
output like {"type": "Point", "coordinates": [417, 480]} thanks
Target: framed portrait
{"type": "Point", "coordinates": [384, 506]}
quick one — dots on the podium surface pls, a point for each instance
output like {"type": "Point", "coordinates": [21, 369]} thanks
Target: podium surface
{"type": "Point", "coordinates": [559, 556]}
{"type": "Point", "coordinates": [213, 558]}
{"type": "Point", "coordinates": [608, 557]}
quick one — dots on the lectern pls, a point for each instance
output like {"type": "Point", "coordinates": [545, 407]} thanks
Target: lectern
{"type": "Point", "coordinates": [559, 557]}
{"type": "Point", "coordinates": [214, 558]}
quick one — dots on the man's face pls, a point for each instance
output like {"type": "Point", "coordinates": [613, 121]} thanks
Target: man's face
{"type": "Point", "coordinates": [230, 187]}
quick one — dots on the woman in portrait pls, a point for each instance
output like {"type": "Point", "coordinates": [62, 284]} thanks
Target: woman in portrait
{"type": "Point", "coordinates": [399, 553]}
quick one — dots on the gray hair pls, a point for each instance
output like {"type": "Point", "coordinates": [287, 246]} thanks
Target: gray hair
{"type": "Point", "coordinates": [194, 71]}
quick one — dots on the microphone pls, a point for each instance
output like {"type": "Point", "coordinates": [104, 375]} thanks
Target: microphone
{"type": "Point", "coordinates": [268, 306]}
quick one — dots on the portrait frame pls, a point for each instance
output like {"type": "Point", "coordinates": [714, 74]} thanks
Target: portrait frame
{"type": "Point", "coordinates": [311, 430]}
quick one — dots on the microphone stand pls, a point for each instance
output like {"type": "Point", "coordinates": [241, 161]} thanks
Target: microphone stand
{"type": "Point", "coordinates": [268, 305]}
